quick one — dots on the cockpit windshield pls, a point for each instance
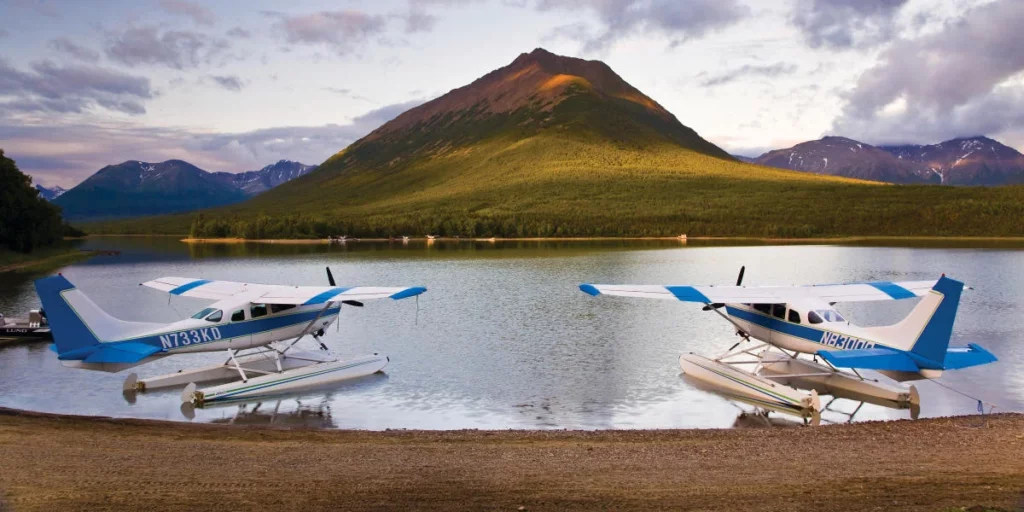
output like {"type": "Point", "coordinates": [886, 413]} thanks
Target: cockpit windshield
{"type": "Point", "coordinates": [210, 315]}
{"type": "Point", "coordinates": [829, 315]}
{"type": "Point", "coordinates": [203, 313]}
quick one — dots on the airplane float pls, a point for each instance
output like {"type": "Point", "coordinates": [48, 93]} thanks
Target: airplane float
{"type": "Point", "coordinates": [255, 325]}
{"type": "Point", "coordinates": [795, 320]}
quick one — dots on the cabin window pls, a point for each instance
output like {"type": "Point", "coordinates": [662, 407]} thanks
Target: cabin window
{"type": "Point", "coordinates": [813, 317]}
{"type": "Point", "coordinates": [779, 311]}
{"type": "Point", "coordinates": [238, 316]}
{"type": "Point", "coordinates": [764, 308]}
{"type": "Point", "coordinates": [203, 313]}
{"type": "Point", "coordinates": [794, 316]}
{"type": "Point", "coordinates": [258, 310]}
{"type": "Point", "coordinates": [277, 308]}
{"type": "Point", "coordinates": [215, 317]}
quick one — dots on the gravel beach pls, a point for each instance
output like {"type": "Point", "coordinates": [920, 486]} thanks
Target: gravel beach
{"type": "Point", "coordinates": [53, 462]}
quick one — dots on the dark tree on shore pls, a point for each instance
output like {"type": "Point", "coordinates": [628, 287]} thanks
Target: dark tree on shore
{"type": "Point", "coordinates": [27, 221]}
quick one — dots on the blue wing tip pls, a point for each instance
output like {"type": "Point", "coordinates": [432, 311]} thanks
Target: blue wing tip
{"type": "Point", "coordinates": [590, 289]}
{"type": "Point", "coordinates": [409, 292]}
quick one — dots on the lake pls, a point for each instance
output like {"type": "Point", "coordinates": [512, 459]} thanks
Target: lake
{"type": "Point", "coordinates": [503, 338]}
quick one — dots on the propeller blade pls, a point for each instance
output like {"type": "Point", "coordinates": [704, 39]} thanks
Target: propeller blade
{"type": "Point", "coordinates": [739, 279]}
{"type": "Point", "coordinates": [355, 303]}
{"type": "Point", "coordinates": [330, 277]}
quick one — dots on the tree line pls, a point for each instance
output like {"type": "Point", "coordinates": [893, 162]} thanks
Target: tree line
{"type": "Point", "coordinates": [27, 221]}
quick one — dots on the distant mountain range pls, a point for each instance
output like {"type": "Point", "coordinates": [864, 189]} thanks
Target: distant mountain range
{"type": "Point", "coordinates": [50, 193]}
{"type": "Point", "coordinates": [964, 161]}
{"type": "Point", "coordinates": [136, 188]}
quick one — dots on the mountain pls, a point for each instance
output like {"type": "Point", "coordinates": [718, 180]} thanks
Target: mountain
{"type": "Point", "coordinates": [257, 182]}
{"type": "Point", "coordinates": [840, 156]}
{"type": "Point", "coordinates": [965, 161]}
{"type": "Point", "coordinates": [50, 193]}
{"type": "Point", "coordinates": [137, 188]}
{"type": "Point", "coordinates": [557, 146]}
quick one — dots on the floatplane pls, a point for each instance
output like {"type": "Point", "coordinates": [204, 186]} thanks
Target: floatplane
{"type": "Point", "coordinates": [255, 325]}
{"type": "Point", "coordinates": [790, 321]}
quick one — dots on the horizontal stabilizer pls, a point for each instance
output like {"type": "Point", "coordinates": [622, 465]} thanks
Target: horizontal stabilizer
{"type": "Point", "coordinates": [870, 359]}
{"type": "Point", "coordinates": [121, 353]}
{"type": "Point", "coordinates": [965, 357]}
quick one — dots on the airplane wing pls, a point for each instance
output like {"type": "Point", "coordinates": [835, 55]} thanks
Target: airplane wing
{"type": "Point", "coordinates": [277, 294]}
{"type": "Point", "coordinates": [852, 292]}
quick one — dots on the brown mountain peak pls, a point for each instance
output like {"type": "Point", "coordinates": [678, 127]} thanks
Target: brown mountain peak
{"type": "Point", "coordinates": [539, 79]}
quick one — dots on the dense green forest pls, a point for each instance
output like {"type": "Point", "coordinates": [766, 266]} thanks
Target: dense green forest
{"type": "Point", "coordinates": [27, 221]}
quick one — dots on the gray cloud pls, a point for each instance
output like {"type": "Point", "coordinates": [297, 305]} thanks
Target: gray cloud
{"type": "Point", "coordinates": [240, 33]}
{"type": "Point", "coordinates": [676, 19]}
{"type": "Point", "coordinates": [341, 31]}
{"type": "Point", "coordinates": [178, 49]}
{"type": "Point", "coordinates": [231, 83]}
{"type": "Point", "coordinates": [944, 84]}
{"type": "Point", "coordinates": [4, 33]}
{"type": "Point", "coordinates": [50, 87]}
{"type": "Point", "coordinates": [199, 14]}
{"type": "Point", "coordinates": [99, 144]}
{"type": "Point", "coordinates": [66, 46]}
{"type": "Point", "coordinates": [419, 21]}
{"type": "Point", "coordinates": [845, 23]}
{"type": "Point", "coordinates": [772, 70]}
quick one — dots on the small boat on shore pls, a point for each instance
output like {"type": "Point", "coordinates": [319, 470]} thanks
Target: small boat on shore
{"type": "Point", "coordinates": [35, 326]}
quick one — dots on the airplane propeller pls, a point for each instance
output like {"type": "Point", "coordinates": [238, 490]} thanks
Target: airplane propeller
{"type": "Point", "coordinates": [330, 280]}
{"type": "Point", "coordinates": [739, 281]}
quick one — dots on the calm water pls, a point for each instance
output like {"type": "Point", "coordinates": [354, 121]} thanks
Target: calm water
{"type": "Point", "coordinates": [504, 339]}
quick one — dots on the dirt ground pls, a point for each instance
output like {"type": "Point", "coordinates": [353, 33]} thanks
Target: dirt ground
{"type": "Point", "coordinates": [52, 462]}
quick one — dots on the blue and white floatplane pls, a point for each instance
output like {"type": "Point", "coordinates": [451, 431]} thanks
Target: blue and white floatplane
{"type": "Point", "coordinates": [788, 321]}
{"type": "Point", "coordinates": [256, 326]}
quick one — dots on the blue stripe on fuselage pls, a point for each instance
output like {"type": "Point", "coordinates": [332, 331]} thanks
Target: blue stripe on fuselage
{"type": "Point", "coordinates": [325, 296]}
{"type": "Point", "coordinates": [186, 287]}
{"type": "Point", "coordinates": [822, 337]}
{"type": "Point", "coordinates": [182, 338]}
{"type": "Point", "coordinates": [893, 290]}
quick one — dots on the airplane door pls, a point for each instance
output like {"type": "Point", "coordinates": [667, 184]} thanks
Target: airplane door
{"type": "Point", "coordinates": [239, 341]}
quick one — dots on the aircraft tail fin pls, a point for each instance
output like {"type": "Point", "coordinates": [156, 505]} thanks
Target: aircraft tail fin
{"type": "Point", "coordinates": [926, 331]}
{"type": "Point", "coordinates": [78, 325]}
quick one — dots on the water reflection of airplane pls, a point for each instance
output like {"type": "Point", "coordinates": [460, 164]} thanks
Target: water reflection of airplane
{"type": "Point", "coordinates": [315, 414]}
{"type": "Point", "coordinates": [263, 322]}
{"type": "Point", "coordinates": [794, 320]}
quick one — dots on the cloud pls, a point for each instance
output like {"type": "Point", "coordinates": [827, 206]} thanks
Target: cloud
{"type": "Point", "coordinates": [231, 83]}
{"type": "Point", "coordinates": [965, 79]}
{"type": "Point", "coordinates": [50, 87]}
{"type": "Point", "coordinates": [4, 33]}
{"type": "Point", "coordinates": [66, 153]}
{"type": "Point", "coordinates": [846, 23]}
{"type": "Point", "coordinates": [66, 46]}
{"type": "Point", "coordinates": [772, 70]}
{"type": "Point", "coordinates": [419, 21]}
{"type": "Point", "coordinates": [199, 14]}
{"type": "Point", "coordinates": [678, 20]}
{"type": "Point", "coordinates": [178, 49]}
{"type": "Point", "coordinates": [240, 33]}
{"type": "Point", "coordinates": [341, 31]}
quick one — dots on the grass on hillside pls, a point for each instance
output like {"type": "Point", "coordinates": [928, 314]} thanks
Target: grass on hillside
{"type": "Point", "coordinates": [568, 185]}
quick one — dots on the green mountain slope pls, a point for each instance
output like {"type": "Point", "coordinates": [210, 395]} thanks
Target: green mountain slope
{"type": "Point", "coordinates": [554, 146]}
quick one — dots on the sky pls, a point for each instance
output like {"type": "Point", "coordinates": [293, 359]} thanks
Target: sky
{"type": "Point", "coordinates": [234, 86]}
